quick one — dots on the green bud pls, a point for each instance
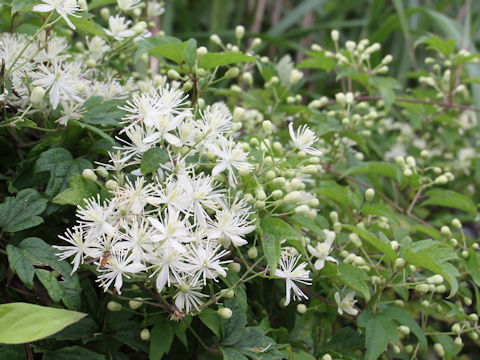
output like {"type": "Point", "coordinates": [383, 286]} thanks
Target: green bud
{"type": "Point", "coordinates": [135, 304]}
{"type": "Point", "coordinates": [145, 334]}
{"type": "Point", "coordinates": [267, 126]}
{"type": "Point", "coordinates": [252, 252]}
{"type": "Point", "coordinates": [235, 267]}
{"type": "Point", "coordinates": [88, 174]}
{"type": "Point", "coordinates": [224, 313]}
{"type": "Point", "coordinates": [292, 198]}
{"type": "Point", "coordinates": [232, 73]}
{"type": "Point", "coordinates": [114, 306]}
{"type": "Point", "coordinates": [102, 171]}
{"type": "Point", "coordinates": [456, 223]}
{"type": "Point", "coordinates": [227, 293]}
{"type": "Point", "coordinates": [369, 194]}
{"type": "Point", "coordinates": [301, 309]}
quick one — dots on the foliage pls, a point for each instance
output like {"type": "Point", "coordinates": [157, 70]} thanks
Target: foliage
{"type": "Point", "coordinates": [176, 186]}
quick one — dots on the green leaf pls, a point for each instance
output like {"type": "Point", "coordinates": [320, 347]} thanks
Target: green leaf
{"type": "Point", "coordinates": [72, 353]}
{"type": "Point", "coordinates": [189, 53]}
{"type": "Point", "coordinates": [211, 60]}
{"type": "Point", "coordinates": [385, 87]}
{"type": "Point", "coordinates": [211, 320]}
{"type": "Point", "coordinates": [338, 193]}
{"type": "Point", "coordinates": [93, 129]}
{"type": "Point", "coordinates": [32, 252]}
{"type": "Point", "coordinates": [374, 167]}
{"type": "Point", "coordinates": [317, 60]}
{"type": "Point", "coordinates": [21, 212]}
{"type": "Point", "coordinates": [178, 53]}
{"type": "Point", "coordinates": [345, 340]}
{"type": "Point", "coordinates": [433, 42]}
{"type": "Point", "coordinates": [374, 241]}
{"type": "Point", "coordinates": [275, 230]}
{"type": "Point", "coordinates": [84, 24]}
{"type": "Point", "coordinates": [152, 159]}
{"type": "Point", "coordinates": [354, 278]}
{"type": "Point", "coordinates": [377, 336]}
{"type": "Point", "coordinates": [144, 45]}
{"type": "Point", "coordinates": [49, 281]}
{"type": "Point", "coordinates": [20, 265]}
{"type": "Point", "coordinates": [451, 199]}
{"type": "Point", "coordinates": [102, 112]}
{"type": "Point", "coordinates": [161, 338]}
{"type": "Point", "coordinates": [380, 210]}
{"type": "Point", "coordinates": [79, 189]}
{"type": "Point", "coordinates": [22, 322]}
{"type": "Point", "coordinates": [61, 165]}
{"type": "Point", "coordinates": [232, 354]}
{"type": "Point", "coordinates": [473, 266]}
{"type": "Point", "coordinates": [404, 318]}
{"type": "Point", "coordinates": [22, 5]}
{"type": "Point", "coordinates": [309, 224]}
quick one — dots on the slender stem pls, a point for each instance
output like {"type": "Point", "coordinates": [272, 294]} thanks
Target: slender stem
{"type": "Point", "coordinates": [415, 101]}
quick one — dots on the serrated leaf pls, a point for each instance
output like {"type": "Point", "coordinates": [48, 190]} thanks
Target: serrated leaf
{"type": "Point", "coordinates": [79, 189]}
{"type": "Point", "coordinates": [22, 322]}
{"type": "Point", "coordinates": [211, 60]}
{"type": "Point", "coordinates": [451, 199]}
{"type": "Point", "coordinates": [21, 212]}
{"type": "Point", "coordinates": [152, 159]}
{"type": "Point", "coordinates": [61, 165]}
{"type": "Point", "coordinates": [161, 338]}
{"type": "Point", "coordinates": [374, 241]}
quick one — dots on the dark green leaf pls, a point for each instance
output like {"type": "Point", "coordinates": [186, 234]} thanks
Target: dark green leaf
{"type": "Point", "coordinates": [374, 242]}
{"type": "Point", "coordinates": [78, 190]}
{"type": "Point", "coordinates": [451, 199]}
{"type": "Point", "coordinates": [161, 338]}
{"type": "Point", "coordinates": [380, 210]}
{"type": "Point", "coordinates": [152, 159]}
{"type": "Point", "coordinates": [354, 278]}
{"type": "Point", "coordinates": [211, 60]}
{"type": "Point", "coordinates": [21, 212]}
{"type": "Point", "coordinates": [72, 353]}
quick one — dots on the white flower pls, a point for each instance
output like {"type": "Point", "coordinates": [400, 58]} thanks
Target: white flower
{"type": "Point", "coordinates": [137, 239]}
{"type": "Point", "coordinates": [59, 80]}
{"type": "Point", "coordinates": [70, 111]}
{"type": "Point", "coordinates": [214, 122]}
{"type": "Point", "coordinates": [303, 139]}
{"type": "Point", "coordinates": [119, 28]}
{"type": "Point", "coordinates": [117, 266]}
{"type": "Point", "coordinates": [126, 5]}
{"type": "Point", "coordinates": [171, 231]}
{"type": "Point", "coordinates": [95, 218]}
{"type": "Point", "coordinates": [205, 261]}
{"type": "Point", "coordinates": [78, 249]}
{"type": "Point", "coordinates": [230, 155]}
{"type": "Point", "coordinates": [188, 296]}
{"type": "Point", "coordinates": [322, 250]}
{"type": "Point", "coordinates": [231, 224]}
{"type": "Point", "coordinates": [166, 261]}
{"type": "Point", "coordinates": [134, 198]}
{"type": "Point", "coordinates": [346, 304]}
{"type": "Point", "coordinates": [64, 8]}
{"type": "Point", "coordinates": [291, 274]}
{"type": "Point", "coordinates": [97, 47]}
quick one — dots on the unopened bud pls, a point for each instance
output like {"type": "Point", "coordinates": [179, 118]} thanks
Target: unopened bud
{"type": "Point", "coordinates": [111, 185]}
{"type": "Point", "coordinates": [267, 126]}
{"type": "Point", "coordinates": [37, 95]}
{"type": "Point", "coordinates": [292, 198]}
{"type": "Point", "coordinates": [301, 309]}
{"type": "Point", "coordinates": [224, 313]}
{"type": "Point", "coordinates": [335, 35]}
{"type": "Point", "coordinates": [235, 267]}
{"type": "Point", "coordinates": [456, 223]}
{"type": "Point", "coordinates": [239, 32]}
{"type": "Point", "coordinates": [145, 334]}
{"type": "Point", "coordinates": [88, 174]}
{"type": "Point", "coordinates": [252, 253]}
{"type": "Point", "coordinates": [232, 73]}
{"type": "Point", "coordinates": [227, 293]}
{"type": "Point", "coordinates": [114, 306]}
{"type": "Point", "coordinates": [216, 39]}
{"type": "Point", "coordinates": [369, 194]}
{"type": "Point", "coordinates": [435, 279]}
{"type": "Point", "coordinates": [135, 304]}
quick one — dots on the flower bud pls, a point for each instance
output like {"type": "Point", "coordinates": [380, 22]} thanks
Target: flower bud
{"type": "Point", "coordinates": [88, 174]}
{"type": "Point", "coordinates": [425, 154]}
{"type": "Point", "coordinates": [227, 293]}
{"type": "Point", "coordinates": [335, 35]}
{"type": "Point", "coordinates": [145, 334]}
{"type": "Point", "coordinates": [355, 239]}
{"type": "Point", "coordinates": [405, 330]}
{"type": "Point", "coordinates": [139, 27]}
{"type": "Point", "coordinates": [105, 13]}
{"type": "Point", "coordinates": [260, 204]}
{"type": "Point", "coordinates": [333, 216]}
{"type": "Point", "coordinates": [224, 313]}
{"type": "Point", "coordinates": [202, 50]}
{"type": "Point", "coordinates": [400, 262]}
{"type": "Point", "coordinates": [252, 253]}
{"type": "Point", "coordinates": [369, 194]}
{"type": "Point", "coordinates": [301, 309]}
{"type": "Point", "coordinates": [440, 289]}
{"type": "Point", "coordinates": [309, 169]}
{"type": "Point", "coordinates": [173, 74]}
{"type": "Point", "coordinates": [232, 73]}
{"type": "Point", "coordinates": [239, 32]}
{"type": "Point", "coordinates": [399, 303]}
{"type": "Point", "coordinates": [326, 357]}
{"type": "Point", "coordinates": [441, 180]}
{"type": "Point", "coordinates": [295, 76]}
{"type": "Point", "coordinates": [267, 126]}
{"type": "Point", "coordinates": [456, 223]}
{"type": "Point", "coordinates": [256, 42]}
{"type": "Point", "coordinates": [340, 99]}
{"type": "Point", "coordinates": [37, 95]}
{"type": "Point", "coordinates": [435, 279]}
{"type": "Point", "coordinates": [394, 245]}
{"type": "Point", "coordinates": [216, 39]}
{"type": "Point", "coordinates": [396, 349]}
{"type": "Point", "coordinates": [292, 198]}
{"type": "Point", "coordinates": [473, 317]}
{"type": "Point", "coordinates": [111, 185]}
{"type": "Point", "coordinates": [114, 306]}
{"type": "Point", "coordinates": [135, 304]}
{"type": "Point", "coordinates": [422, 288]}
{"type": "Point", "coordinates": [407, 173]}
{"type": "Point", "coordinates": [235, 267]}
{"type": "Point", "coordinates": [445, 230]}
{"type": "Point", "coordinates": [456, 328]}
{"type": "Point", "coordinates": [458, 341]}
{"type": "Point", "coordinates": [302, 210]}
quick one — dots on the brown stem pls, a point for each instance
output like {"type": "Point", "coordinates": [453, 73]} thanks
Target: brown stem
{"type": "Point", "coordinates": [415, 101]}
{"type": "Point", "coordinates": [29, 351]}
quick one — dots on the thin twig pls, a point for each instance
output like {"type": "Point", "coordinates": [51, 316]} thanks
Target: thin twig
{"type": "Point", "coordinates": [415, 101]}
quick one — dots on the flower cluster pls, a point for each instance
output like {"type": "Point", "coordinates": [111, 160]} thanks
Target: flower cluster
{"type": "Point", "coordinates": [177, 226]}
